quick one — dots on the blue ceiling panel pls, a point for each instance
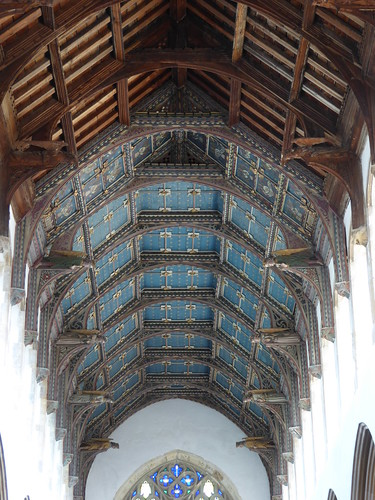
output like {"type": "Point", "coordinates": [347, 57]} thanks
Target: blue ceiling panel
{"type": "Point", "coordinates": [90, 170]}
{"type": "Point", "coordinates": [65, 209]}
{"type": "Point", "coordinates": [199, 140]}
{"type": "Point", "coordinates": [265, 357]}
{"type": "Point", "coordinates": [234, 361]}
{"type": "Point", "coordinates": [93, 356]}
{"type": "Point", "coordinates": [245, 170]}
{"type": "Point", "coordinates": [121, 362]}
{"type": "Point", "coordinates": [106, 221]}
{"type": "Point", "coordinates": [218, 150]}
{"type": "Point", "coordinates": [280, 292]}
{"type": "Point", "coordinates": [246, 262]}
{"type": "Point", "coordinates": [280, 243]}
{"type": "Point", "coordinates": [117, 297]}
{"type": "Point", "coordinates": [265, 321]}
{"type": "Point", "coordinates": [100, 381]}
{"type": "Point", "coordinates": [258, 411]}
{"type": "Point", "coordinates": [93, 188]}
{"type": "Point", "coordinates": [161, 139]}
{"type": "Point", "coordinates": [240, 334]}
{"type": "Point", "coordinates": [250, 220]}
{"type": "Point", "coordinates": [185, 277]}
{"type": "Point", "coordinates": [237, 391]}
{"type": "Point", "coordinates": [109, 265]}
{"type": "Point", "coordinates": [120, 332]}
{"type": "Point", "coordinates": [178, 196]}
{"type": "Point", "coordinates": [178, 311]}
{"type": "Point", "coordinates": [266, 188]}
{"type": "Point", "coordinates": [80, 290]}
{"type": "Point", "coordinates": [178, 340]}
{"type": "Point", "coordinates": [241, 298]}
{"type": "Point", "coordinates": [98, 411]}
{"type": "Point", "coordinates": [156, 369]}
{"type": "Point", "coordinates": [179, 239]}
{"type": "Point", "coordinates": [141, 149]}
{"type": "Point", "coordinates": [79, 241]}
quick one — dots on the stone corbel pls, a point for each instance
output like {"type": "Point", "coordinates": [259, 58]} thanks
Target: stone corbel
{"type": "Point", "coordinates": [343, 288]}
{"type": "Point", "coordinates": [316, 371]}
{"type": "Point", "coordinates": [328, 334]}
{"type": "Point", "coordinates": [73, 480]}
{"type": "Point", "coordinates": [41, 374]}
{"type": "Point", "coordinates": [31, 338]}
{"type": "Point", "coordinates": [283, 479]}
{"type": "Point", "coordinates": [67, 458]}
{"type": "Point", "coordinates": [16, 296]}
{"type": "Point", "coordinates": [288, 456]}
{"type": "Point", "coordinates": [60, 433]}
{"type": "Point", "coordinates": [296, 431]}
{"type": "Point", "coordinates": [359, 236]}
{"type": "Point", "coordinates": [305, 404]}
{"type": "Point", "coordinates": [52, 406]}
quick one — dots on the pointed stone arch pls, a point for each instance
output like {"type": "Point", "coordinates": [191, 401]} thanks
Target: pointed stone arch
{"type": "Point", "coordinates": [3, 476]}
{"type": "Point", "coordinates": [186, 459]}
{"type": "Point", "coordinates": [331, 495]}
{"type": "Point", "coordinates": [363, 478]}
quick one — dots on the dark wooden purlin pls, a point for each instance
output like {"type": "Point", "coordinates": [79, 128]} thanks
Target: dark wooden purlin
{"type": "Point", "coordinates": [238, 42]}
{"type": "Point", "coordinates": [212, 60]}
{"type": "Point", "coordinates": [119, 52]}
{"type": "Point", "coordinates": [301, 59]}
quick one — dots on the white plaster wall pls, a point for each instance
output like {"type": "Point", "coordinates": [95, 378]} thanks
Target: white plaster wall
{"type": "Point", "coordinates": [33, 457]}
{"type": "Point", "coordinates": [184, 425]}
{"type": "Point", "coordinates": [337, 473]}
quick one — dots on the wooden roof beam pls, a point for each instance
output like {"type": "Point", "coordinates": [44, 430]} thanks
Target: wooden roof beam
{"type": "Point", "coordinates": [178, 37]}
{"type": "Point", "coordinates": [238, 43]}
{"type": "Point", "coordinates": [19, 53]}
{"type": "Point", "coordinates": [291, 119]}
{"type": "Point", "coordinates": [148, 60]}
{"type": "Point", "coordinates": [345, 166]}
{"type": "Point", "coordinates": [122, 85]}
{"type": "Point", "coordinates": [60, 83]}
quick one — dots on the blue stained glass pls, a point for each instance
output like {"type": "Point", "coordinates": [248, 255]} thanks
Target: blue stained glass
{"type": "Point", "coordinates": [188, 480]}
{"type": "Point", "coordinates": [176, 469]}
{"type": "Point", "coordinates": [199, 476]}
{"type": "Point", "coordinates": [220, 493]}
{"type": "Point", "coordinates": [197, 493]}
{"type": "Point", "coordinates": [156, 494]}
{"type": "Point", "coordinates": [177, 491]}
{"type": "Point", "coordinates": [165, 480]}
{"type": "Point", "coordinates": [153, 477]}
{"type": "Point", "coordinates": [134, 493]}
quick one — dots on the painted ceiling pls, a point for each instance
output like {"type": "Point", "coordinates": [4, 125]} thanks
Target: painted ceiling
{"type": "Point", "coordinates": [178, 286]}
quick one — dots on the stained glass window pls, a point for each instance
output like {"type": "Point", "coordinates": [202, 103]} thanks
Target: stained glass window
{"type": "Point", "coordinates": [177, 480]}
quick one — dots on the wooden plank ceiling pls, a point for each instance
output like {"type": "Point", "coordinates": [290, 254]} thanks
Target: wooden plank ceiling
{"type": "Point", "coordinates": [61, 57]}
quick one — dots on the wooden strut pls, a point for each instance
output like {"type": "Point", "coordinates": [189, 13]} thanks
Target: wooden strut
{"type": "Point", "coordinates": [345, 166]}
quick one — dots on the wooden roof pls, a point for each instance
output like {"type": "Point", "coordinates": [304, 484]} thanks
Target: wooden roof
{"type": "Point", "coordinates": [298, 74]}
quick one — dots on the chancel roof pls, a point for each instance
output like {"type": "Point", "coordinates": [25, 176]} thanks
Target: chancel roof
{"type": "Point", "coordinates": [178, 299]}
{"type": "Point", "coordinates": [178, 144]}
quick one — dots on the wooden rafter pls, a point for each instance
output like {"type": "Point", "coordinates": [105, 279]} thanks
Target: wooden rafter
{"type": "Point", "coordinates": [300, 65]}
{"type": "Point", "coordinates": [122, 85]}
{"type": "Point", "coordinates": [60, 83]}
{"type": "Point", "coordinates": [238, 43]}
{"type": "Point", "coordinates": [149, 60]}
{"type": "Point", "coordinates": [178, 36]}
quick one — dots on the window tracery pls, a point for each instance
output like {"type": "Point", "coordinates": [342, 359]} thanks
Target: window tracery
{"type": "Point", "coordinates": [177, 479]}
